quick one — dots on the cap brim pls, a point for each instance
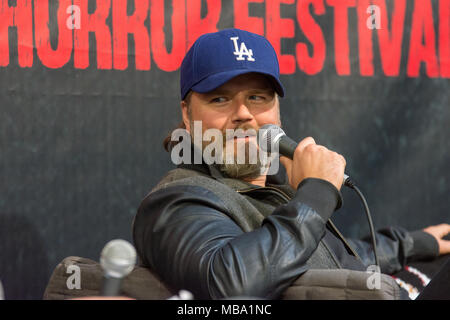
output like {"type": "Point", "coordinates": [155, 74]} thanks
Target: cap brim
{"type": "Point", "coordinates": [214, 81]}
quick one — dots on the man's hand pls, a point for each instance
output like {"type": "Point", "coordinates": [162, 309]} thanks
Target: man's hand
{"type": "Point", "coordinates": [314, 161]}
{"type": "Point", "coordinates": [440, 231]}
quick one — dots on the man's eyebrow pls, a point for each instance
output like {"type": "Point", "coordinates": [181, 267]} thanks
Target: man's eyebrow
{"type": "Point", "coordinates": [266, 90]}
{"type": "Point", "coordinates": [223, 91]}
{"type": "Point", "coordinates": [218, 92]}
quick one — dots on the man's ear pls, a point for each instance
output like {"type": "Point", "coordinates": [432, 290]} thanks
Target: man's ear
{"type": "Point", "coordinates": [185, 114]}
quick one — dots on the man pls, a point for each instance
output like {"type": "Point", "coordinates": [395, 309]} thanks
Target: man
{"type": "Point", "coordinates": [229, 229]}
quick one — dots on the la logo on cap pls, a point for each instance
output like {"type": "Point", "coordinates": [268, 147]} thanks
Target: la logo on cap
{"type": "Point", "coordinates": [242, 51]}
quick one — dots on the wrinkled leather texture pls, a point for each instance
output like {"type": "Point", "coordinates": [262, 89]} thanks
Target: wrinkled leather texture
{"type": "Point", "coordinates": [185, 234]}
{"type": "Point", "coordinates": [192, 243]}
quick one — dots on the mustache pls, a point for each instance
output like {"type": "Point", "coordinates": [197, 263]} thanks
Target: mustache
{"type": "Point", "coordinates": [239, 132]}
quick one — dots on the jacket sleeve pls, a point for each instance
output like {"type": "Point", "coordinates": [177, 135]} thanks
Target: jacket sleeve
{"type": "Point", "coordinates": [184, 234]}
{"type": "Point", "coordinates": [396, 247]}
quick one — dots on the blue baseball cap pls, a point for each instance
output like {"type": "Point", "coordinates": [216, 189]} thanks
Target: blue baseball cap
{"type": "Point", "coordinates": [216, 58]}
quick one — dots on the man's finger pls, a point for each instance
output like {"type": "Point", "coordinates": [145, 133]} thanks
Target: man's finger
{"type": "Point", "coordinates": [305, 142]}
{"type": "Point", "coordinates": [447, 228]}
{"type": "Point", "coordinates": [286, 162]}
{"type": "Point", "coordinates": [444, 229]}
{"type": "Point", "coordinates": [444, 246]}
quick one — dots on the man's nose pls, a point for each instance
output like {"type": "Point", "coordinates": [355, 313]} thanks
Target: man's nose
{"type": "Point", "coordinates": [241, 112]}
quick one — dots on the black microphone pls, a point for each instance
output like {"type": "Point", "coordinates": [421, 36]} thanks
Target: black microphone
{"type": "Point", "coordinates": [117, 259]}
{"type": "Point", "coordinates": [270, 135]}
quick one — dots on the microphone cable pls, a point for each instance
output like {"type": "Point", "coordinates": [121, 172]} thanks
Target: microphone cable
{"type": "Point", "coordinates": [286, 146]}
{"type": "Point", "coordinates": [349, 183]}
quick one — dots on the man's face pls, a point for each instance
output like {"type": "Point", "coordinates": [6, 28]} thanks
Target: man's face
{"type": "Point", "coordinates": [246, 102]}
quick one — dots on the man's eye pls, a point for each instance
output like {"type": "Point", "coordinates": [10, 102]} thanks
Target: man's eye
{"type": "Point", "coordinates": [257, 98]}
{"type": "Point", "coordinates": [218, 100]}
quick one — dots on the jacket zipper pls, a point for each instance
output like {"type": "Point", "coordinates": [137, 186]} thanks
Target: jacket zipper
{"type": "Point", "coordinates": [343, 239]}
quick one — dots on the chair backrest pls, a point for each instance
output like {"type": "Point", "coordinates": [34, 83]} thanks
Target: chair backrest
{"type": "Point", "coordinates": [343, 284]}
{"type": "Point", "coordinates": [141, 283]}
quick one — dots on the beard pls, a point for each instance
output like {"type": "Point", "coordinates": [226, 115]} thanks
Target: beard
{"type": "Point", "coordinates": [242, 171]}
{"type": "Point", "coordinates": [247, 170]}
{"type": "Point", "coordinates": [239, 159]}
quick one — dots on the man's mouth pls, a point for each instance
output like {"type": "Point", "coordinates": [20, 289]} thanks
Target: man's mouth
{"type": "Point", "coordinates": [242, 135]}
{"type": "Point", "coordinates": [247, 138]}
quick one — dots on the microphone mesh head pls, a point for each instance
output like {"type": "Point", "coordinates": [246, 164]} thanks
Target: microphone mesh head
{"type": "Point", "coordinates": [118, 258]}
{"type": "Point", "coordinates": [268, 136]}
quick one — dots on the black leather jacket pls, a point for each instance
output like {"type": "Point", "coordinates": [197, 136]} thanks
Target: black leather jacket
{"type": "Point", "coordinates": [186, 235]}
